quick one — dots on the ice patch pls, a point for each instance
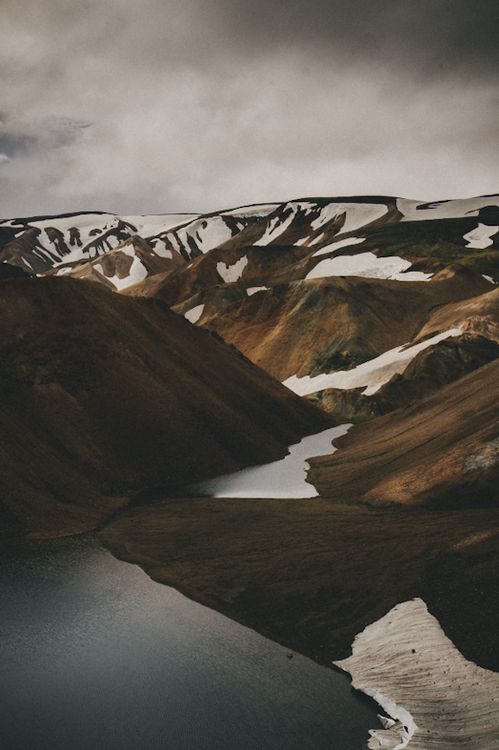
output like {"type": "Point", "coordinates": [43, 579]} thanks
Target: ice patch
{"type": "Point", "coordinates": [232, 273]}
{"type": "Point", "coordinates": [281, 479]}
{"type": "Point", "coordinates": [371, 374]}
{"type": "Point", "coordinates": [368, 265]}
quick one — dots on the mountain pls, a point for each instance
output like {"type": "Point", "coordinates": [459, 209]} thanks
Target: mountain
{"type": "Point", "coordinates": [302, 288]}
{"type": "Point", "coordinates": [442, 450]}
{"type": "Point", "coordinates": [140, 356]}
{"type": "Point", "coordinates": [364, 306]}
{"type": "Point", "coordinates": [105, 396]}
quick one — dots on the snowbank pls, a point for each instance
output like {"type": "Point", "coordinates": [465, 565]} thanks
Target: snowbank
{"type": "Point", "coordinates": [438, 699]}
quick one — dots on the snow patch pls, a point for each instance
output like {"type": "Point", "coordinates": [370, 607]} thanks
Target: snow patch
{"type": "Point", "coordinates": [481, 236]}
{"type": "Point", "coordinates": [232, 273]}
{"type": "Point", "coordinates": [356, 214]}
{"type": "Point", "coordinates": [371, 374]}
{"type": "Point", "coordinates": [412, 210]}
{"type": "Point", "coordinates": [137, 272]}
{"type": "Point", "coordinates": [280, 479]}
{"type": "Point", "coordinates": [254, 289]}
{"type": "Point", "coordinates": [438, 698]}
{"type": "Point", "coordinates": [206, 233]}
{"type": "Point", "coordinates": [194, 313]}
{"type": "Point", "coordinates": [337, 245]}
{"type": "Point", "coordinates": [149, 225]}
{"type": "Point", "coordinates": [159, 248]}
{"type": "Point", "coordinates": [367, 265]}
{"type": "Point", "coordinates": [263, 209]}
{"type": "Point", "coordinates": [278, 225]}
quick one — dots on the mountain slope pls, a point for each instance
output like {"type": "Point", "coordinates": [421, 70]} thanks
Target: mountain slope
{"type": "Point", "coordinates": [105, 395]}
{"type": "Point", "coordinates": [441, 450]}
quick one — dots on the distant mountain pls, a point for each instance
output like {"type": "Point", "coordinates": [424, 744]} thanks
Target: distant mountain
{"type": "Point", "coordinates": [387, 237]}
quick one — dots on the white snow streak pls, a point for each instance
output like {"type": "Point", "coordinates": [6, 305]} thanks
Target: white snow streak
{"type": "Point", "coordinates": [254, 289]}
{"type": "Point", "coordinates": [263, 209]}
{"type": "Point", "coordinates": [337, 245]}
{"type": "Point", "coordinates": [368, 265]}
{"type": "Point", "coordinates": [371, 374]}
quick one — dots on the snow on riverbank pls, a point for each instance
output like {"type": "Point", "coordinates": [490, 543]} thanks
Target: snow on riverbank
{"type": "Point", "coordinates": [438, 699]}
{"type": "Point", "coordinates": [280, 479]}
{"type": "Point", "coordinates": [373, 374]}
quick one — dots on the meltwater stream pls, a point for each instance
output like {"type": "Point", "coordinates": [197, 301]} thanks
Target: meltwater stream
{"type": "Point", "coordinates": [96, 656]}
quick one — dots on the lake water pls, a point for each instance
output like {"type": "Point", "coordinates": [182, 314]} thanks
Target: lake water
{"type": "Point", "coordinates": [96, 656]}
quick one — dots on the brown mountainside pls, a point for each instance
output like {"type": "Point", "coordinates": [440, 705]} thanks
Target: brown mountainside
{"type": "Point", "coordinates": [442, 450]}
{"type": "Point", "coordinates": [104, 395]}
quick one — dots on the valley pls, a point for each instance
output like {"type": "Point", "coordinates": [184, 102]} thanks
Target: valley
{"type": "Point", "coordinates": [288, 412]}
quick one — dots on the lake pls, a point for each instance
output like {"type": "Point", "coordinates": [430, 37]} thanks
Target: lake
{"type": "Point", "coordinates": [94, 655]}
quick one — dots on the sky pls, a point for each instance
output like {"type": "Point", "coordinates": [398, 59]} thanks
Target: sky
{"type": "Point", "coordinates": [145, 106]}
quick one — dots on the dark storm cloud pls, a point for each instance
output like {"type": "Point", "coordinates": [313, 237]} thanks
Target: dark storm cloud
{"type": "Point", "coordinates": [196, 104]}
{"type": "Point", "coordinates": [425, 36]}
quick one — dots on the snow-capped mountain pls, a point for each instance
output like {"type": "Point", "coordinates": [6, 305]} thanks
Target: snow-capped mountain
{"type": "Point", "coordinates": [329, 295]}
{"type": "Point", "coordinates": [368, 236]}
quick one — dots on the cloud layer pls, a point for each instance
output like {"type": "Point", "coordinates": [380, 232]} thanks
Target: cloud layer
{"type": "Point", "coordinates": [168, 105]}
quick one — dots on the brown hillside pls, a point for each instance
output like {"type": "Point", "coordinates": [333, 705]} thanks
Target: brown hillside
{"type": "Point", "coordinates": [320, 325]}
{"type": "Point", "coordinates": [441, 450]}
{"type": "Point", "coordinates": [103, 395]}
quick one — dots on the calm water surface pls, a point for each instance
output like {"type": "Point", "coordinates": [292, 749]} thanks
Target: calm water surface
{"type": "Point", "coordinates": [94, 655]}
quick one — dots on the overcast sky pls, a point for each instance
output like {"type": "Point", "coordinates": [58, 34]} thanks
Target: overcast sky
{"type": "Point", "coordinates": [192, 105]}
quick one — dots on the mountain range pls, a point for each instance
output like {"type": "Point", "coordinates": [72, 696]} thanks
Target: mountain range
{"type": "Point", "coordinates": [148, 363]}
{"type": "Point", "coordinates": [363, 306]}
